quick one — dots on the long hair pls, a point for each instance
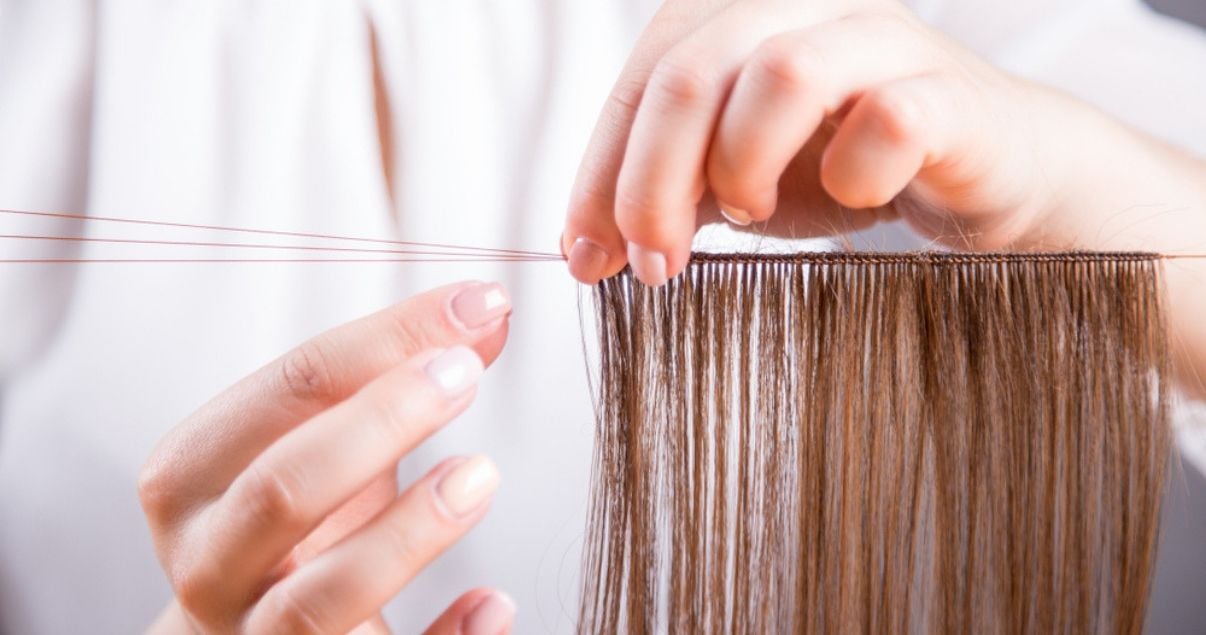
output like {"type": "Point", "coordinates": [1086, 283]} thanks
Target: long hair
{"type": "Point", "coordinates": [882, 443]}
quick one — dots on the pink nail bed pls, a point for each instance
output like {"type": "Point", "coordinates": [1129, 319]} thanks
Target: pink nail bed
{"type": "Point", "coordinates": [587, 261]}
{"type": "Point", "coordinates": [480, 304]}
{"type": "Point", "coordinates": [648, 265]}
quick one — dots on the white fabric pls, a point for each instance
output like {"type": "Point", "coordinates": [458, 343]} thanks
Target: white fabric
{"type": "Point", "coordinates": [258, 113]}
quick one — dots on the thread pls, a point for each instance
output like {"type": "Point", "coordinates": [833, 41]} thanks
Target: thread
{"type": "Point", "coordinates": [270, 232]}
{"type": "Point", "coordinates": [446, 252]}
{"type": "Point", "coordinates": [60, 261]}
{"type": "Point", "coordinates": [469, 257]}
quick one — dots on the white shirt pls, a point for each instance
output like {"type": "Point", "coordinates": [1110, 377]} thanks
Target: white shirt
{"type": "Point", "coordinates": [259, 113]}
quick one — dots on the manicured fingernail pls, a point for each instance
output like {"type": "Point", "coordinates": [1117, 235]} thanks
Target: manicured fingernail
{"type": "Point", "coordinates": [587, 261]}
{"type": "Point", "coordinates": [468, 485]}
{"type": "Point", "coordinates": [480, 304]}
{"type": "Point", "coordinates": [735, 216]}
{"type": "Point", "coordinates": [492, 616]}
{"type": "Point", "coordinates": [648, 265]}
{"type": "Point", "coordinates": [455, 370]}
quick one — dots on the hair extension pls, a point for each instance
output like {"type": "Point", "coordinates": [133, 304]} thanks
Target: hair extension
{"type": "Point", "coordinates": [863, 442]}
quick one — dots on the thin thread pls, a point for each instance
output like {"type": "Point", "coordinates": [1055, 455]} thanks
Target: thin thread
{"type": "Point", "coordinates": [185, 243]}
{"type": "Point", "coordinates": [270, 232]}
{"type": "Point", "coordinates": [488, 254]}
{"type": "Point", "coordinates": [19, 261]}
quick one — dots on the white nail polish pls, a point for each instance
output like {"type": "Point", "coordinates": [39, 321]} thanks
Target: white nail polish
{"type": "Point", "coordinates": [468, 485]}
{"type": "Point", "coordinates": [455, 370]}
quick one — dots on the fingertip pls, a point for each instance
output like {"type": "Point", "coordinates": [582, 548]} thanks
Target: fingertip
{"type": "Point", "coordinates": [587, 260]}
{"type": "Point", "coordinates": [479, 306]}
{"type": "Point", "coordinates": [744, 195]}
{"type": "Point", "coordinates": [837, 184]}
{"type": "Point", "coordinates": [494, 614]}
{"type": "Point", "coordinates": [659, 239]}
{"type": "Point", "coordinates": [863, 175]}
{"type": "Point", "coordinates": [490, 346]}
{"type": "Point", "coordinates": [465, 486]}
{"type": "Point", "coordinates": [649, 265]}
{"type": "Point", "coordinates": [877, 150]}
{"type": "Point", "coordinates": [735, 215]}
{"type": "Point", "coordinates": [592, 245]}
{"type": "Point", "coordinates": [480, 610]}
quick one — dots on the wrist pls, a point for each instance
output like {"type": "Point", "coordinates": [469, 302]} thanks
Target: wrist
{"type": "Point", "coordinates": [1112, 188]}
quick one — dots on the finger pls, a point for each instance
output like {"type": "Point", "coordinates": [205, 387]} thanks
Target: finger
{"type": "Point", "coordinates": [662, 181]}
{"type": "Point", "coordinates": [478, 612]}
{"type": "Point", "coordinates": [915, 130]}
{"type": "Point", "coordinates": [881, 145]}
{"type": "Point", "coordinates": [287, 491]}
{"type": "Point", "coordinates": [592, 243]}
{"type": "Point", "coordinates": [785, 90]}
{"type": "Point", "coordinates": [375, 626]}
{"type": "Point", "coordinates": [199, 459]}
{"type": "Point", "coordinates": [352, 580]}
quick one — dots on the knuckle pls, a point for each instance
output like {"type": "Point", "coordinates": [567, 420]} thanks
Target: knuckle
{"type": "Point", "coordinates": [156, 491]}
{"type": "Point", "coordinates": [289, 613]}
{"type": "Point", "coordinates": [626, 96]}
{"type": "Point", "coordinates": [594, 190]}
{"type": "Point", "coordinates": [679, 84]}
{"type": "Point", "coordinates": [390, 417]}
{"type": "Point", "coordinates": [895, 113]}
{"type": "Point", "coordinates": [404, 545]}
{"type": "Point", "coordinates": [269, 498]}
{"type": "Point", "coordinates": [638, 206]}
{"type": "Point", "coordinates": [787, 62]}
{"type": "Point", "coordinates": [902, 23]}
{"type": "Point", "coordinates": [195, 586]}
{"type": "Point", "coordinates": [412, 333]}
{"type": "Point", "coordinates": [306, 373]}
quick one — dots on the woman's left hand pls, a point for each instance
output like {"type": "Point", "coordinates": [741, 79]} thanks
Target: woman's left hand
{"type": "Point", "coordinates": [821, 114]}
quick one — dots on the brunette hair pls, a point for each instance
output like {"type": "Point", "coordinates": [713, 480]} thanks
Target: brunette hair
{"type": "Point", "coordinates": [867, 442]}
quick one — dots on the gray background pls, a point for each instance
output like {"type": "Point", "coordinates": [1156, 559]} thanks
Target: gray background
{"type": "Point", "coordinates": [1179, 597]}
{"type": "Point", "coordinates": [1191, 10]}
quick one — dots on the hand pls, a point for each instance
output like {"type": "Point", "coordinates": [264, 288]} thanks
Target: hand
{"type": "Point", "coordinates": [829, 116]}
{"type": "Point", "coordinates": [274, 508]}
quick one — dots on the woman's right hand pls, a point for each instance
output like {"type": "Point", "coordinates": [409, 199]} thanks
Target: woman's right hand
{"type": "Point", "coordinates": [274, 508]}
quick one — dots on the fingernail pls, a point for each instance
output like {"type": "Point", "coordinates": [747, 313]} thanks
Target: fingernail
{"type": "Point", "coordinates": [587, 261]}
{"type": "Point", "coordinates": [468, 485]}
{"type": "Point", "coordinates": [648, 265]}
{"type": "Point", "coordinates": [480, 304]}
{"type": "Point", "coordinates": [491, 616]}
{"type": "Point", "coordinates": [735, 216]}
{"type": "Point", "coordinates": [455, 370]}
